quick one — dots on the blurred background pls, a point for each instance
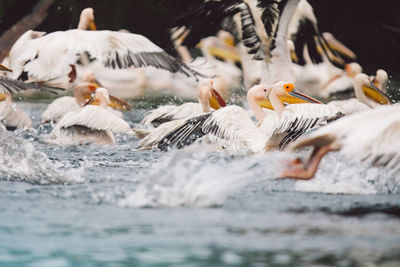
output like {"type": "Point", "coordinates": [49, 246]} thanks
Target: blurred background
{"type": "Point", "coordinates": [370, 28]}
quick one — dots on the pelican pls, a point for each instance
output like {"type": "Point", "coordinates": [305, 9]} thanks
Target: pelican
{"type": "Point", "coordinates": [370, 136]}
{"type": "Point", "coordinates": [233, 128]}
{"type": "Point", "coordinates": [368, 96]}
{"type": "Point", "coordinates": [209, 99]}
{"type": "Point", "coordinates": [341, 82]}
{"type": "Point", "coordinates": [52, 57]}
{"type": "Point", "coordinates": [11, 116]}
{"type": "Point", "coordinates": [380, 80]}
{"type": "Point", "coordinates": [90, 124]}
{"type": "Point", "coordinates": [226, 75]}
{"type": "Point", "coordinates": [86, 20]}
{"type": "Point", "coordinates": [82, 93]}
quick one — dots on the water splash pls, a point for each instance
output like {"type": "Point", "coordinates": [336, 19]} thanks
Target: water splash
{"type": "Point", "coordinates": [20, 161]}
{"type": "Point", "coordinates": [198, 179]}
{"type": "Point", "coordinates": [340, 175]}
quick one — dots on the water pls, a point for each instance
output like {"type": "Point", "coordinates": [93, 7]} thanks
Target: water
{"type": "Point", "coordinates": [98, 206]}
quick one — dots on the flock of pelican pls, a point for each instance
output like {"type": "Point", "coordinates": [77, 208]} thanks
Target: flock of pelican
{"type": "Point", "coordinates": [273, 49]}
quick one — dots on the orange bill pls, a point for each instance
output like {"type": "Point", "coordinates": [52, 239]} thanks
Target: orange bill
{"type": "Point", "coordinates": [118, 103]}
{"type": "Point", "coordinates": [216, 101]}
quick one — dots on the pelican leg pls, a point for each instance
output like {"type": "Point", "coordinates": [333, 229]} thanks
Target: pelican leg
{"type": "Point", "coordinates": [307, 170]}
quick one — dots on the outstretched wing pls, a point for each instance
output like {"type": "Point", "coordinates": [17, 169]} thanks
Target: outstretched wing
{"type": "Point", "coordinates": [14, 86]}
{"type": "Point", "coordinates": [230, 127]}
{"type": "Point", "coordinates": [53, 55]}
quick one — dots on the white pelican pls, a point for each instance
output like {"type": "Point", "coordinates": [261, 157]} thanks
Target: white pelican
{"type": "Point", "coordinates": [82, 93]}
{"type": "Point", "coordinates": [86, 20]}
{"type": "Point", "coordinates": [380, 80]}
{"type": "Point", "coordinates": [232, 127]}
{"type": "Point", "coordinates": [226, 75]}
{"type": "Point", "coordinates": [90, 124]}
{"type": "Point", "coordinates": [11, 116]}
{"type": "Point", "coordinates": [370, 136]}
{"type": "Point", "coordinates": [52, 57]}
{"type": "Point", "coordinates": [367, 97]}
{"type": "Point", "coordinates": [342, 82]}
{"type": "Point", "coordinates": [209, 99]}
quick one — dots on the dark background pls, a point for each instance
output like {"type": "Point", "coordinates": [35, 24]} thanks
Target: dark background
{"type": "Point", "coordinates": [371, 28]}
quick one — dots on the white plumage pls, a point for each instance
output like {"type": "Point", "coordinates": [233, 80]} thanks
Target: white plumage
{"type": "Point", "coordinates": [370, 136]}
{"type": "Point", "coordinates": [90, 124]}
{"type": "Point", "coordinates": [170, 112]}
{"type": "Point", "coordinates": [12, 117]}
{"type": "Point", "coordinates": [51, 57]}
{"type": "Point", "coordinates": [58, 108]}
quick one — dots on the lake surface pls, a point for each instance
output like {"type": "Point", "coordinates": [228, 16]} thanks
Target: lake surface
{"type": "Point", "coordinates": [113, 206]}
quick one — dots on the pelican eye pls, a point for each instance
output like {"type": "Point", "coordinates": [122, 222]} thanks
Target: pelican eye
{"type": "Point", "coordinates": [265, 90]}
{"type": "Point", "coordinates": [288, 87]}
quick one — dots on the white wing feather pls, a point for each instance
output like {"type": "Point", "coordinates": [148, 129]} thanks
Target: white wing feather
{"type": "Point", "coordinates": [58, 108]}
{"type": "Point", "coordinates": [232, 128]}
{"type": "Point", "coordinates": [170, 112]}
{"type": "Point", "coordinates": [94, 117]}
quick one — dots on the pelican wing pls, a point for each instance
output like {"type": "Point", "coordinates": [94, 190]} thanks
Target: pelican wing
{"type": "Point", "coordinates": [53, 55]}
{"type": "Point", "coordinates": [13, 86]}
{"type": "Point", "coordinates": [230, 127]}
{"type": "Point", "coordinates": [168, 113]}
{"type": "Point", "coordinates": [295, 120]}
{"type": "Point", "coordinates": [58, 108]}
{"type": "Point", "coordinates": [96, 118]}
{"type": "Point", "coordinates": [206, 20]}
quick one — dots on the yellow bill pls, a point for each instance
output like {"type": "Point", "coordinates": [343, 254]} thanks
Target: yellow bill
{"type": "Point", "coordinates": [2, 96]}
{"type": "Point", "coordinates": [377, 95]}
{"type": "Point", "coordinates": [292, 98]}
{"type": "Point", "coordinates": [92, 26]}
{"type": "Point", "coordinates": [225, 54]}
{"type": "Point", "coordinates": [118, 103]}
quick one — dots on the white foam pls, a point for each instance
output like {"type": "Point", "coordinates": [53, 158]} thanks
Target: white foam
{"type": "Point", "coordinates": [193, 180]}
{"type": "Point", "coordinates": [20, 161]}
{"type": "Point", "coordinates": [341, 175]}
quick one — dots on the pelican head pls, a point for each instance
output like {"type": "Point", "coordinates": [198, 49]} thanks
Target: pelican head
{"type": "Point", "coordinates": [83, 92]}
{"type": "Point", "coordinates": [226, 37]}
{"type": "Point", "coordinates": [86, 20]}
{"type": "Point", "coordinates": [209, 97]}
{"type": "Point", "coordinates": [381, 79]}
{"type": "Point", "coordinates": [4, 68]}
{"type": "Point", "coordinates": [353, 69]}
{"type": "Point", "coordinates": [366, 91]}
{"type": "Point", "coordinates": [284, 91]}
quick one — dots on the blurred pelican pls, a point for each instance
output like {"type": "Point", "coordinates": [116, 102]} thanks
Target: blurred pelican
{"type": "Point", "coordinates": [380, 80]}
{"type": "Point", "coordinates": [368, 96]}
{"type": "Point", "coordinates": [12, 117]}
{"type": "Point", "coordinates": [370, 136]}
{"type": "Point", "coordinates": [90, 124]}
{"type": "Point", "coordinates": [342, 82]}
{"type": "Point", "coordinates": [82, 93]}
{"type": "Point", "coordinates": [52, 58]}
